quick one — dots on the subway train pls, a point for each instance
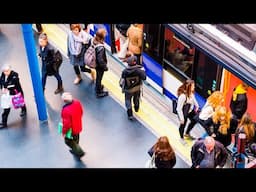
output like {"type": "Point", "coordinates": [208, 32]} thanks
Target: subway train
{"type": "Point", "coordinates": [205, 53]}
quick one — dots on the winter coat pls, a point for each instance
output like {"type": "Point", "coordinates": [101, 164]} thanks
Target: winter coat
{"type": "Point", "coordinates": [133, 76]}
{"type": "Point", "coordinates": [101, 57]}
{"type": "Point", "coordinates": [76, 48]}
{"type": "Point", "coordinates": [72, 117]}
{"type": "Point", "coordinates": [135, 35]}
{"type": "Point", "coordinates": [198, 150]}
{"type": "Point", "coordinates": [47, 55]}
{"type": "Point", "coordinates": [160, 163]}
{"type": "Point", "coordinates": [224, 139]}
{"type": "Point", "coordinates": [239, 102]}
{"type": "Point", "coordinates": [12, 83]}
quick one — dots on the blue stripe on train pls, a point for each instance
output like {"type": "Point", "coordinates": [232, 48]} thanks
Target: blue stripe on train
{"type": "Point", "coordinates": [153, 69]}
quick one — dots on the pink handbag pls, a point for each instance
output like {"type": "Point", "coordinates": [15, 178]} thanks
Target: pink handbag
{"type": "Point", "coordinates": [18, 100]}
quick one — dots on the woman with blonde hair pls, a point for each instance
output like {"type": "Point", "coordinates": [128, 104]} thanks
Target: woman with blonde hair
{"type": "Point", "coordinates": [164, 153]}
{"type": "Point", "coordinates": [222, 126]}
{"type": "Point", "coordinates": [213, 101]}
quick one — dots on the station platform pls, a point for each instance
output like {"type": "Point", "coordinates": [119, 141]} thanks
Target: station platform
{"type": "Point", "coordinates": [155, 111]}
{"type": "Point", "coordinates": [109, 139]}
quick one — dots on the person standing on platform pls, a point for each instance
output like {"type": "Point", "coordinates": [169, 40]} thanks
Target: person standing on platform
{"type": "Point", "coordinates": [47, 56]}
{"type": "Point", "coordinates": [101, 62]}
{"type": "Point", "coordinates": [208, 153]}
{"type": "Point", "coordinates": [164, 154]}
{"type": "Point", "coordinates": [71, 115]}
{"type": "Point", "coordinates": [10, 80]}
{"type": "Point", "coordinates": [135, 36]}
{"type": "Point", "coordinates": [239, 101]}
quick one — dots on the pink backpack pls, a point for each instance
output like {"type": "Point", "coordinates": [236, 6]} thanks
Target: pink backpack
{"type": "Point", "coordinates": [90, 55]}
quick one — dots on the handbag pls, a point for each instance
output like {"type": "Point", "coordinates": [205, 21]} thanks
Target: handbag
{"type": "Point", "coordinates": [69, 132]}
{"type": "Point", "coordinates": [18, 100]}
{"type": "Point", "coordinates": [151, 162]}
{"type": "Point", "coordinates": [6, 100]}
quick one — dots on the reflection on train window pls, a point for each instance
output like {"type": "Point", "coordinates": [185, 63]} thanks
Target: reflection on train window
{"type": "Point", "coordinates": [178, 53]}
{"type": "Point", "coordinates": [153, 42]}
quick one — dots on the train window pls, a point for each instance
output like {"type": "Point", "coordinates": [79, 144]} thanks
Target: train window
{"type": "Point", "coordinates": [178, 56]}
{"type": "Point", "coordinates": [207, 75]}
{"type": "Point", "coordinates": [153, 41]}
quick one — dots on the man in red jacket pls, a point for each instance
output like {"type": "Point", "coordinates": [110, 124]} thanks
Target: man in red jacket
{"type": "Point", "coordinates": [71, 115]}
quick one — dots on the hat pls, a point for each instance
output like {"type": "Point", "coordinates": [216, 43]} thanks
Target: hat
{"type": "Point", "coordinates": [132, 60]}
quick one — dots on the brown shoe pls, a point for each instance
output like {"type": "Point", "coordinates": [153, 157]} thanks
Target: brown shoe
{"type": "Point", "coordinates": [93, 74]}
{"type": "Point", "coordinates": [77, 80]}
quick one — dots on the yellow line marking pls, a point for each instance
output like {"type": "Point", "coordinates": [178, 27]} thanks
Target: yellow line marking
{"type": "Point", "coordinates": [157, 122]}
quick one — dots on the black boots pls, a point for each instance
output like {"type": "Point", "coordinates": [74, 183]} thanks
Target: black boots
{"type": "Point", "coordinates": [23, 111]}
{"type": "Point", "coordinates": [129, 113]}
{"type": "Point", "coordinates": [101, 93]}
{"type": "Point", "coordinates": [59, 89]}
{"type": "Point", "coordinates": [4, 121]}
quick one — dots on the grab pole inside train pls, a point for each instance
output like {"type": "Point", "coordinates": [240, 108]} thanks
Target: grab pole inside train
{"type": "Point", "coordinates": [34, 71]}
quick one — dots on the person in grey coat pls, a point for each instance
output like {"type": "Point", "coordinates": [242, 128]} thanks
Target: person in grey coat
{"type": "Point", "coordinates": [78, 42]}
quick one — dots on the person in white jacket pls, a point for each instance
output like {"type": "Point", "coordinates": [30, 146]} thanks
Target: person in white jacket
{"type": "Point", "coordinates": [187, 107]}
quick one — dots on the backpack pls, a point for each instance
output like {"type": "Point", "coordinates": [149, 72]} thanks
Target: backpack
{"type": "Point", "coordinates": [90, 55]}
{"type": "Point", "coordinates": [57, 60]}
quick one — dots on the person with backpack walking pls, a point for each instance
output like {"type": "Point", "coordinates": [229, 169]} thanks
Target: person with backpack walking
{"type": "Point", "coordinates": [131, 81]}
{"type": "Point", "coordinates": [47, 54]}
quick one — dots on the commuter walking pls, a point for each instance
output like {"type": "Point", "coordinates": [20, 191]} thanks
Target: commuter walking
{"type": "Point", "coordinates": [48, 69]}
{"type": "Point", "coordinates": [9, 81]}
{"type": "Point", "coordinates": [71, 114]}
{"type": "Point", "coordinates": [164, 154]}
{"type": "Point", "coordinates": [131, 81]}
{"type": "Point", "coordinates": [239, 100]}
{"type": "Point", "coordinates": [78, 42]}
{"type": "Point", "coordinates": [208, 153]}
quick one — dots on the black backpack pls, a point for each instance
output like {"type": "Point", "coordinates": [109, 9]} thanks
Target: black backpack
{"type": "Point", "coordinates": [57, 60]}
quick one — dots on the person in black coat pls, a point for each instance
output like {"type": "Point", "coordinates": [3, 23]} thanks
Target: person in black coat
{"type": "Point", "coordinates": [47, 54]}
{"type": "Point", "coordinates": [208, 153]}
{"type": "Point", "coordinates": [131, 78]}
{"type": "Point", "coordinates": [101, 62]}
{"type": "Point", "coordinates": [164, 154]}
{"type": "Point", "coordinates": [10, 80]}
{"type": "Point", "coordinates": [239, 101]}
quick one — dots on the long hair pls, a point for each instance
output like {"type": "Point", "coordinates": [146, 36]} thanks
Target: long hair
{"type": "Point", "coordinates": [186, 88]}
{"type": "Point", "coordinates": [216, 99]}
{"type": "Point", "coordinates": [163, 149]}
{"type": "Point", "coordinates": [222, 111]}
{"type": "Point", "coordinates": [248, 126]}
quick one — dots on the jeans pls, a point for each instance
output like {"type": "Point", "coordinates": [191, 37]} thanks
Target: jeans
{"type": "Point", "coordinates": [56, 75]}
{"type": "Point", "coordinates": [136, 99]}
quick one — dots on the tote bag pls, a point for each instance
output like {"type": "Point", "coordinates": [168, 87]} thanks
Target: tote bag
{"type": "Point", "coordinates": [151, 162]}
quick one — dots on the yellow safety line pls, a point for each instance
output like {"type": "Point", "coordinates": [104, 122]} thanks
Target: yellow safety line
{"type": "Point", "coordinates": [148, 114]}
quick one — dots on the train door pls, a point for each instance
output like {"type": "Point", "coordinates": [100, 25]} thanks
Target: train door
{"type": "Point", "coordinates": [207, 74]}
{"type": "Point", "coordinates": [152, 55]}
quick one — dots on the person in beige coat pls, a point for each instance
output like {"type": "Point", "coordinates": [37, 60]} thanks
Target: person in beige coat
{"type": "Point", "coordinates": [135, 34]}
